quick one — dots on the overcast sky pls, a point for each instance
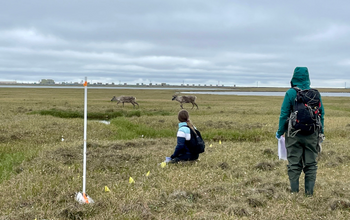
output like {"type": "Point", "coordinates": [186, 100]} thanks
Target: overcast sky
{"type": "Point", "coordinates": [243, 43]}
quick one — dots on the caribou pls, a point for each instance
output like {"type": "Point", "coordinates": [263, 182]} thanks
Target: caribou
{"type": "Point", "coordinates": [126, 99]}
{"type": "Point", "coordinates": [185, 99]}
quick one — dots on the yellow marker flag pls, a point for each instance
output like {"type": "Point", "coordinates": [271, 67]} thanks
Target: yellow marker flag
{"type": "Point", "coordinates": [163, 164]}
{"type": "Point", "coordinates": [107, 189]}
{"type": "Point", "coordinates": [210, 145]}
{"type": "Point", "coordinates": [131, 180]}
{"type": "Point", "coordinates": [220, 142]}
{"type": "Point", "coordinates": [147, 173]}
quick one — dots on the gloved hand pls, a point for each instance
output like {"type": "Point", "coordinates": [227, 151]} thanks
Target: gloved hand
{"type": "Point", "coordinates": [321, 137]}
{"type": "Point", "coordinates": [277, 135]}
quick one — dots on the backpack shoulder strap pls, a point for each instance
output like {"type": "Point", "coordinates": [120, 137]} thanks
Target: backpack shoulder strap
{"type": "Point", "coordinates": [297, 89]}
{"type": "Point", "coordinates": [194, 130]}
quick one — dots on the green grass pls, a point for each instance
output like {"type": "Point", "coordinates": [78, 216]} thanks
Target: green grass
{"type": "Point", "coordinates": [8, 162]}
{"type": "Point", "coordinates": [107, 115]}
{"type": "Point", "coordinates": [127, 130]}
{"type": "Point", "coordinates": [241, 178]}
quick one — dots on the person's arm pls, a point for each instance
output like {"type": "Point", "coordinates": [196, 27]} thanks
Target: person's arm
{"type": "Point", "coordinates": [285, 112]}
{"type": "Point", "coordinates": [179, 147]}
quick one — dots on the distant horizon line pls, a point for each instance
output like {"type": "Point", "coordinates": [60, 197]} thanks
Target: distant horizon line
{"type": "Point", "coordinates": [189, 85]}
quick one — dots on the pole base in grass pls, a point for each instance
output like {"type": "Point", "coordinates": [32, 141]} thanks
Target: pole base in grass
{"type": "Point", "coordinates": [82, 198]}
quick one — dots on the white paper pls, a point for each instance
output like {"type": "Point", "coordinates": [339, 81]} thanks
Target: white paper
{"type": "Point", "coordinates": [282, 151]}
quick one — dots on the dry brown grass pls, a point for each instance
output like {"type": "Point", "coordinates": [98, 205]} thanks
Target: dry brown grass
{"type": "Point", "coordinates": [237, 179]}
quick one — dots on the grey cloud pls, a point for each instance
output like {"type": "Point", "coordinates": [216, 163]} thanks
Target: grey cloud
{"type": "Point", "coordinates": [234, 42]}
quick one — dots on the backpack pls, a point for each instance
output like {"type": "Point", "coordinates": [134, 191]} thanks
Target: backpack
{"type": "Point", "coordinates": [196, 144]}
{"type": "Point", "coordinates": [305, 117]}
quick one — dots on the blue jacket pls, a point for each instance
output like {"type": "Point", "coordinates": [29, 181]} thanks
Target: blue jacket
{"type": "Point", "coordinates": [301, 80]}
{"type": "Point", "coordinates": [183, 135]}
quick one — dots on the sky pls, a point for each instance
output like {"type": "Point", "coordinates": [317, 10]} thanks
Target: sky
{"type": "Point", "coordinates": [218, 42]}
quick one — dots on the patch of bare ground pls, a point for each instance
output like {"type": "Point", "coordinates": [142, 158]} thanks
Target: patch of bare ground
{"type": "Point", "coordinates": [267, 165]}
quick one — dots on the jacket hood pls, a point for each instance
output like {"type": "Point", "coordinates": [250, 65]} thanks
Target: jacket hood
{"type": "Point", "coordinates": [182, 124]}
{"type": "Point", "coordinates": [301, 78]}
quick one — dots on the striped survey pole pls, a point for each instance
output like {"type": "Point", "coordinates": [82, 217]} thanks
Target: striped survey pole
{"type": "Point", "coordinates": [82, 197]}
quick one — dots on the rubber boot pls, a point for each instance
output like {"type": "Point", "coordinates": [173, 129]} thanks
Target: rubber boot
{"type": "Point", "coordinates": [309, 187]}
{"type": "Point", "coordinates": [294, 186]}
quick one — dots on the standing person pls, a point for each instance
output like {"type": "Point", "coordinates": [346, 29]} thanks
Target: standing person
{"type": "Point", "coordinates": [182, 152]}
{"type": "Point", "coordinates": [301, 148]}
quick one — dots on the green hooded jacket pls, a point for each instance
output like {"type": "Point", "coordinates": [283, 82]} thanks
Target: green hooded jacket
{"type": "Point", "coordinates": [301, 80]}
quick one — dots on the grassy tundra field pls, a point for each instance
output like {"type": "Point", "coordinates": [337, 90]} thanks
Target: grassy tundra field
{"type": "Point", "coordinates": [238, 177]}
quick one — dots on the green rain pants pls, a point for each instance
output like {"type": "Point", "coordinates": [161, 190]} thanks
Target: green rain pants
{"type": "Point", "coordinates": [301, 155]}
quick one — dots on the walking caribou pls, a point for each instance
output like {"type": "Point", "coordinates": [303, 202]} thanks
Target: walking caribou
{"type": "Point", "coordinates": [185, 99]}
{"type": "Point", "coordinates": [126, 99]}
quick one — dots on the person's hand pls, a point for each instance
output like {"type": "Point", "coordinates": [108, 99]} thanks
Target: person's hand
{"type": "Point", "coordinates": [321, 137]}
{"type": "Point", "coordinates": [277, 135]}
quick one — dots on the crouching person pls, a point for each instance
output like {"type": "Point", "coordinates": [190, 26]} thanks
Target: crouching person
{"type": "Point", "coordinates": [182, 152]}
